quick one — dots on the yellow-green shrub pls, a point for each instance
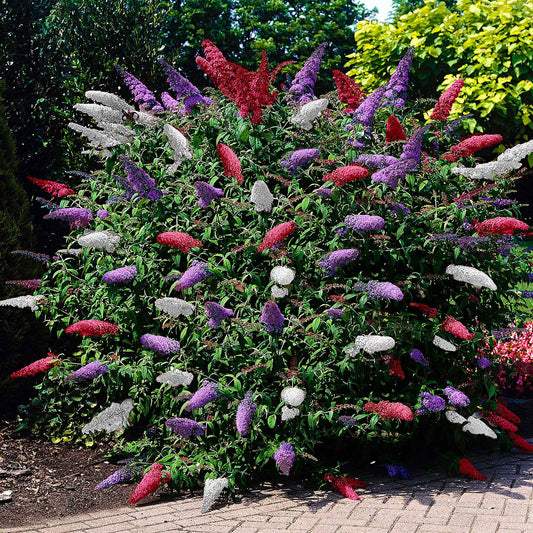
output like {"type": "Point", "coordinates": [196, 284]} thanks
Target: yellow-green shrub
{"type": "Point", "coordinates": [488, 43]}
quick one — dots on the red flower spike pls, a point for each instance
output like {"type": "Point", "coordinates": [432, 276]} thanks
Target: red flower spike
{"type": "Point", "coordinates": [499, 226]}
{"type": "Point", "coordinates": [249, 90]}
{"type": "Point", "coordinates": [467, 469]}
{"type": "Point", "coordinates": [345, 485]}
{"type": "Point", "coordinates": [444, 106]}
{"type": "Point", "coordinates": [150, 482]}
{"type": "Point", "coordinates": [520, 443]}
{"type": "Point", "coordinates": [451, 158]}
{"type": "Point", "coordinates": [93, 328]}
{"type": "Point", "coordinates": [394, 410]}
{"type": "Point", "coordinates": [431, 311]}
{"type": "Point", "coordinates": [394, 130]}
{"type": "Point", "coordinates": [370, 407]}
{"type": "Point", "coordinates": [453, 326]}
{"type": "Point", "coordinates": [178, 239]}
{"type": "Point", "coordinates": [509, 415]}
{"type": "Point", "coordinates": [395, 366]}
{"type": "Point", "coordinates": [477, 142]}
{"type": "Point", "coordinates": [42, 365]}
{"type": "Point", "coordinates": [499, 421]}
{"type": "Point", "coordinates": [343, 175]}
{"type": "Point", "coordinates": [348, 90]}
{"type": "Point", "coordinates": [276, 235]}
{"type": "Point", "coordinates": [232, 165]}
{"type": "Point", "coordinates": [52, 187]}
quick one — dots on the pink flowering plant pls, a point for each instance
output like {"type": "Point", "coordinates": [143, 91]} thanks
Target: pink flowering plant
{"type": "Point", "coordinates": [376, 334]}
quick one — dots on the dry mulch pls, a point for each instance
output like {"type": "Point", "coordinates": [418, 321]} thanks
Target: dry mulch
{"type": "Point", "coordinates": [50, 481]}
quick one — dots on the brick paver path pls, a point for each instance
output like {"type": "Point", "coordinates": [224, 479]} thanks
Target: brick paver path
{"type": "Point", "coordinates": [429, 503]}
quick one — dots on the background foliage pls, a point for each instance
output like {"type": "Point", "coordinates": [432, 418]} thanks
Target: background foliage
{"type": "Point", "coordinates": [488, 44]}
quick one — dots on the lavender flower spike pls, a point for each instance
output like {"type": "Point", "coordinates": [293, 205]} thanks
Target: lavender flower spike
{"type": "Point", "coordinates": [143, 96]}
{"type": "Point", "coordinates": [384, 289]}
{"type": "Point", "coordinates": [185, 427]}
{"type": "Point", "coordinates": [75, 216]}
{"type": "Point", "coordinates": [88, 372]}
{"type": "Point", "coordinates": [376, 160]}
{"type": "Point", "coordinates": [120, 275]}
{"type": "Point", "coordinates": [197, 273]}
{"type": "Point", "coordinates": [171, 104]}
{"type": "Point", "coordinates": [217, 314]}
{"type": "Point", "coordinates": [159, 344]}
{"type": "Point", "coordinates": [207, 394]}
{"type": "Point", "coordinates": [245, 413]}
{"type": "Point", "coordinates": [206, 193]}
{"type": "Point", "coordinates": [298, 159]}
{"type": "Point", "coordinates": [456, 398]}
{"type": "Point", "coordinates": [183, 87]}
{"type": "Point", "coordinates": [272, 317]}
{"type": "Point", "coordinates": [336, 259]}
{"type": "Point", "coordinates": [284, 458]}
{"type": "Point", "coordinates": [138, 181]}
{"type": "Point", "coordinates": [359, 223]}
{"type": "Point", "coordinates": [393, 173]}
{"type": "Point", "coordinates": [301, 89]}
{"type": "Point", "coordinates": [412, 149]}
{"type": "Point", "coordinates": [397, 85]}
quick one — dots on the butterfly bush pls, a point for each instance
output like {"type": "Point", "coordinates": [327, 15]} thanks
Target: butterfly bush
{"type": "Point", "coordinates": [42, 365]}
{"type": "Point", "coordinates": [256, 351]}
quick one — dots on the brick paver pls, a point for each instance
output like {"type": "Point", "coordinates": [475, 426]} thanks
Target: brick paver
{"type": "Point", "coordinates": [428, 503]}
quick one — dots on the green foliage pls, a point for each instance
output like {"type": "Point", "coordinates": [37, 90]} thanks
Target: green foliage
{"type": "Point", "coordinates": [488, 44]}
{"type": "Point", "coordinates": [403, 7]}
{"type": "Point", "coordinates": [240, 355]}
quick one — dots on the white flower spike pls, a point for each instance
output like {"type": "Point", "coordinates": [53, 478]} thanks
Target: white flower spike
{"type": "Point", "coordinates": [308, 112]}
{"type": "Point", "coordinates": [293, 396]}
{"type": "Point", "coordinates": [212, 490]}
{"type": "Point", "coordinates": [370, 344]}
{"type": "Point", "coordinates": [444, 344]}
{"type": "Point", "coordinates": [261, 196]}
{"type": "Point", "coordinates": [175, 306]}
{"type": "Point", "coordinates": [282, 275]}
{"type": "Point", "coordinates": [111, 419]}
{"type": "Point", "coordinates": [175, 378]}
{"type": "Point", "coordinates": [471, 275]}
{"type": "Point", "coordinates": [179, 144]}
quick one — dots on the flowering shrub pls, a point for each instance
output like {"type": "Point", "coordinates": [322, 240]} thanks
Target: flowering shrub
{"type": "Point", "coordinates": [234, 381]}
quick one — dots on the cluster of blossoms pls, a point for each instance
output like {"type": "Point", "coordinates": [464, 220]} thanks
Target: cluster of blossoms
{"type": "Point", "coordinates": [334, 260]}
{"type": "Point", "coordinates": [159, 344]}
{"type": "Point", "coordinates": [88, 372]}
{"type": "Point", "coordinates": [206, 394]}
{"type": "Point", "coordinates": [398, 472]}
{"type": "Point", "coordinates": [348, 91]}
{"type": "Point", "coordinates": [143, 96]}
{"type": "Point", "coordinates": [110, 419]}
{"type": "Point", "coordinates": [120, 275]}
{"type": "Point", "coordinates": [397, 85]}
{"type": "Point", "coordinates": [301, 89]}
{"type": "Point", "coordinates": [298, 159]}
{"type": "Point", "coordinates": [430, 403]}
{"type": "Point", "coordinates": [444, 106]}
{"type": "Point", "coordinates": [75, 216]}
{"type": "Point", "coordinates": [284, 458]}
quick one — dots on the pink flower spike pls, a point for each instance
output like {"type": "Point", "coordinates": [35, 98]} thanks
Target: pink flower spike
{"type": "Point", "coordinates": [345, 485]}
{"type": "Point", "coordinates": [150, 482]}
{"type": "Point", "coordinates": [42, 365]}
{"type": "Point", "coordinates": [232, 165]}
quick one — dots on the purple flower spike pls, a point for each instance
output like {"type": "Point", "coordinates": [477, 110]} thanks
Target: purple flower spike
{"type": "Point", "coordinates": [120, 275]}
{"type": "Point", "coordinates": [398, 472]}
{"type": "Point", "coordinates": [88, 372]}
{"type": "Point", "coordinates": [301, 90]}
{"type": "Point", "coordinates": [75, 216]}
{"type": "Point", "coordinates": [206, 193]}
{"type": "Point", "coordinates": [125, 474]}
{"type": "Point", "coordinates": [143, 96]}
{"type": "Point", "coordinates": [284, 458]}
{"type": "Point", "coordinates": [393, 173]}
{"type": "Point", "coordinates": [159, 344]}
{"type": "Point", "coordinates": [183, 87]}
{"type": "Point", "coordinates": [245, 413]}
{"type": "Point", "coordinates": [185, 427]}
{"type": "Point", "coordinates": [336, 259]}
{"type": "Point", "coordinates": [196, 274]}
{"type": "Point", "coordinates": [397, 207]}
{"type": "Point", "coordinates": [334, 313]}
{"type": "Point", "coordinates": [359, 223]}
{"type": "Point", "coordinates": [397, 85]}
{"type": "Point", "coordinates": [483, 363]}
{"type": "Point", "coordinates": [298, 159]}
{"type": "Point", "coordinates": [272, 318]}
{"type": "Point", "coordinates": [102, 213]}
{"type": "Point", "coordinates": [418, 356]}
{"type": "Point", "coordinates": [367, 108]}
{"type": "Point", "coordinates": [171, 104]}
{"type": "Point", "coordinates": [384, 289]}
{"type": "Point", "coordinates": [456, 398]}
{"type": "Point", "coordinates": [137, 181]}
{"type": "Point", "coordinates": [430, 403]}
{"type": "Point", "coordinates": [412, 149]}
{"type": "Point", "coordinates": [217, 314]}
{"type": "Point", "coordinates": [324, 193]}
{"type": "Point", "coordinates": [207, 394]}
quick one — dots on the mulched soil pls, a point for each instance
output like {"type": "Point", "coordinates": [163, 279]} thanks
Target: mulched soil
{"type": "Point", "coordinates": [51, 481]}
